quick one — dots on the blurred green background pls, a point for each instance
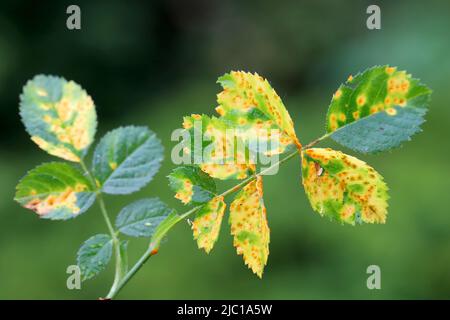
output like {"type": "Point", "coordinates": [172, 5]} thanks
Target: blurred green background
{"type": "Point", "coordinates": [149, 63]}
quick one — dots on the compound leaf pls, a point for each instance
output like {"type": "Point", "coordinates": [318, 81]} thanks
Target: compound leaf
{"type": "Point", "coordinates": [207, 222]}
{"type": "Point", "coordinates": [126, 159]}
{"type": "Point", "coordinates": [215, 150]}
{"type": "Point", "coordinates": [94, 255]}
{"type": "Point", "coordinates": [141, 218]}
{"type": "Point", "coordinates": [59, 116]}
{"type": "Point", "coordinates": [249, 226]}
{"type": "Point", "coordinates": [56, 191]}
{"type": "Point", "coordinates": [377, 110]}
{"type": "Point", "coordinates": [250, 104]}
{"type": "Point", "coordinates": [343, 187]}
{"type": "Point", "coordinates": [192, 185]}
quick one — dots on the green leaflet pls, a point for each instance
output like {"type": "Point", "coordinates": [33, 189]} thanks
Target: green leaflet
{"type": "Point", "coordinates": [343, 187]}
{"type": "Point", "coordinates": [142, 217]}
{"type": "Point", "coordinates": [59, 116]}
{"type": "Point", "coordinates": [56, 191]}
{"type": "Point", "coordinates": [249, 226]}
{"type": "Point", "coordinates": [207, 222]}
{"type": "Point", "coordinates": [123, 250]}
{"type": "Point", "coordinates": [377, 110]}
{"type": "Point", "coordinates": [94, 255]}
{"type": "Point", "coordinates": [192, 185]}
{"type": "Point", "coordinates": [126, 159]}
{"type": "Point", "coordinates": [249, 103]}
{"type": "Point", "coordinates": [162, 230]}
{"type": "Point", "coordinates": [214, 148]}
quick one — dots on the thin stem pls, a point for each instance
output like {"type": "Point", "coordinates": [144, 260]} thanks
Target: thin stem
{"type": "Point", "coordinates": [151, 250]}
{"type": "Point", "coordinates": [138, 265]}
{"type": "Point", "coordinates": [112, 232]}
{"type": "Point", "coordinates": [116, 244]}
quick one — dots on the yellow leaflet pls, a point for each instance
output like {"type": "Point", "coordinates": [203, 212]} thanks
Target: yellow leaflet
{"type": "Point", "coordinates": [249, 226]}
{"type": "Point", "coordinates": [59, 116]}
{"type": "Point", "coordinates": [206, 226]}
{"type": "Point", "coordinates": [343, 187]}
{"type": "Point", "coordinates": [252, 105]}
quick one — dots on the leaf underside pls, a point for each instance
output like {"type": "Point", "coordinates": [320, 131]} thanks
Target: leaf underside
{"type": "Point", "coordinates": [141, 218]}
{"type": "Point", "coordinates": [249, 226]}
{"type": "Point", "coordinates": [377, 110]}
{"type": "Point", "coordinates": [343, 187]}
{"type": "Point", "coordinates": [94, 255]}
{"type": "Point", "coordinates": [56, 191]}
{"type": "Point", "coordinates": [126, 159]}
{"type": "Point", "coordinates": [207, 222]}
{"type": "Point", "coordinates": [59, 116]}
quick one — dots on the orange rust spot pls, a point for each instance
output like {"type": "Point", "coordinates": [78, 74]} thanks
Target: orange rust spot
{"type": "Point", "coordinates": [390, 70]}
{"type": "Point", "coordinates": [220, 110]}
{"type": "Point", "coordinates": [361, 100]}
{"type": "Point", "coordinates": [387, 100]}
{"type": "Point", "coordinates": [337, 94]}
{"type": "Point", "coordinates": [391, 111]}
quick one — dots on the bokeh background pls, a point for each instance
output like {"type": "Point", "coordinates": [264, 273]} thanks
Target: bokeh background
{"type": "Point", "coordinates": [149, 63]}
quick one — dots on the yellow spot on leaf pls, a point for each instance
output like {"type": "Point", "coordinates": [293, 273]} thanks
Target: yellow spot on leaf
{"type": "Point", "coordinates": [391, 111]}
{"type": "Point", "coordinates": [58, 151]}
{"type": "Point", "coordinates": [220, 110]}
{"type": "Point", "coordinates": [41, 92]}
{"type": "Point", "coordinates": [187, 123]}
{"type": "Point", "coordinates": [337, 94]}
{"type": "Point", "coordinates": [390, 70]}
{"type": "Point", "coordinates": [64, 199]}
{"type": "Point", "coordinates": [186, 192]}
{"type": "Point", "coordinates": [361, 100]}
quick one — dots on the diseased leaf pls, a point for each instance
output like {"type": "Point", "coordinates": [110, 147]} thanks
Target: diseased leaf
{"type": "Point", "coordinates": [141, 218]}
{"type": "Point", "coordinates": [343, 187]}
{"type": "Point", "coordinates": [249, 226]}
{"type": "Point", "coordinates": [217, 153]}
{"type": "Point", "coordinates": [249, 103]}
{"type": "Point", "coordinates": [56, 191]}
{"type": "Point", "coordinates": [192, 185]}
{"type": "Point", "coordinates": [94, 255]}
{"type": "Point", "coordinates": [59, 116]}
{"type": "Point", "coordinates": [126, 159]}
{"type": "Point", "coordinates": [207, 222]}
{"type": "Point", "coordinates": [377, 110]}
